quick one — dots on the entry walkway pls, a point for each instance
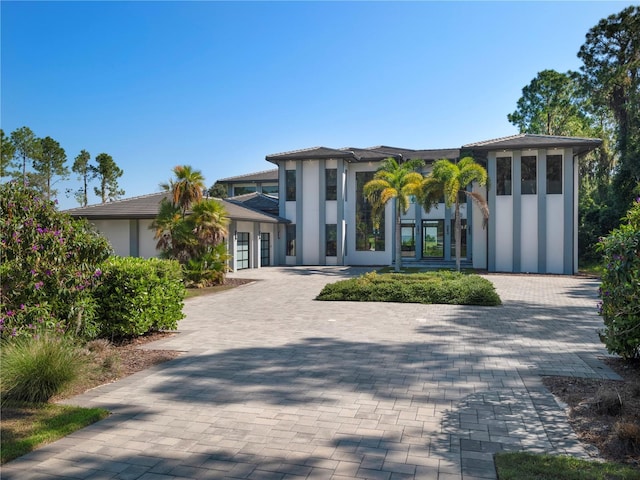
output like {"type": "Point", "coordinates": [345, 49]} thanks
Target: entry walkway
{"type": "Point", "coordinates": [275, 385]}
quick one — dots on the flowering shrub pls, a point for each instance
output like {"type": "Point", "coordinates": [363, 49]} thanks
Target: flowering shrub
{"type": "Point", "coordinates": [620, 289]}
{"type": "Point", "coordinates": [48, 266]}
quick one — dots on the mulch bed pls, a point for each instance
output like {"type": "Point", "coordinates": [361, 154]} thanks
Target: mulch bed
{"type": "Point", "coordinates": [605, 413]}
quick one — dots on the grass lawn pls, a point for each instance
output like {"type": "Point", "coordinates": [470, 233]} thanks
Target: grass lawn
{"type": "Point", "coordinates": [442, 287]}
{"type": "Point", "coordinates": [26, 427]}
{"type": "Point", "coordinates": [528, 466]}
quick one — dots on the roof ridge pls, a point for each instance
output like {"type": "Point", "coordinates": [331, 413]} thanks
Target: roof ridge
{"type": "Point", "coordinates": [247, 174]}
{"type": "Point", "coordinates": [493, 140]}
{"type": "Point", "coordinates": [120, 200]}
{"type": "Point", "coordinates": [298, 151]}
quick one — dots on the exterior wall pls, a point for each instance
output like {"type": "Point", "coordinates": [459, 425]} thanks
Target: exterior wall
{"type": "Point", "coordinates": [146, 242]}
{"type": "Point", "coordinates": [535, 232]}
{"type": "Point", "coordinates": [117, 232]}
{"type": "Point", "coordinates": [129, 238]}
{"type": "Point", "coordinates": [310, 221]}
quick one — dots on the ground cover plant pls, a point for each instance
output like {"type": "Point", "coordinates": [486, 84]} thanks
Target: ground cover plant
{"type": "Point", "coordinates": [26, 427]}
{"type": "Point", "coordinates": [528, 466]}
{"type": "Point", "coordinates": [430, 287]}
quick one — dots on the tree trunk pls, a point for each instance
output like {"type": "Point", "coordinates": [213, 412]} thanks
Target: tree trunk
{"type": "Point", "coordinates": [398, 237]}
{"type": "Point", "coordinates": [458, 234]}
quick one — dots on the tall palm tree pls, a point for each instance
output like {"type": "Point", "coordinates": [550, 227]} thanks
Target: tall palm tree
{"type": "Point", "coordinates": [186, 188]}
{"type": "Point", "coordinates": [397, 181]}
{"type": "Point", "coordinates": [450, 179]}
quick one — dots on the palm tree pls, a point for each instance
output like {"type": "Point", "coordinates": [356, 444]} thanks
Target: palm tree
{"type": "Point", "coordinates": [210, 221]}
{"type": "Point", "coordinates": [450, 179]}
{"type": "Point", "coordinates": [397, 181]}
{"type": "Point", "coordinates": [172, 232]}
{"type": "Point", "coordinates": [187, 187]}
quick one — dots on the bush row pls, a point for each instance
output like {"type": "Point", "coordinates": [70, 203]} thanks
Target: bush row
{"type": "Point", "coordinates": [433, 287]}
{"type": "Point", "coordinates": [57, 275]}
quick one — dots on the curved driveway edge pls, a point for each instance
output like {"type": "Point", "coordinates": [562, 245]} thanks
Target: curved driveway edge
{"type": "Point", "coordinates": [276, 385]}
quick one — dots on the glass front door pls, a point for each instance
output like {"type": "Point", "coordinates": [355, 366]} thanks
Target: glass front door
{"type": "Point", "coordinates": [408, 239]}
{"type": "Point", "coordinates": [264, 249]}
{"type": "Point", "coordinates": [243, 250]}
{"type": "Point", "coordinates": [433, 238]}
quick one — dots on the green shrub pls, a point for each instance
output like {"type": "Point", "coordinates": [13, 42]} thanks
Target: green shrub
{"type": "Point", "coordinates": [433, 287]}
{"type": "Point", "coordinates": [139, 295]}
{"type": "Point", "coordinates": [48, 266]}
{"type": "Point", "coordinates": [36, 368]}
{"type": "Point", "coordinates": [620, 288]}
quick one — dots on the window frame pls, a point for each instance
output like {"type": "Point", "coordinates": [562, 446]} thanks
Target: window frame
{"type": "Point", "coordinates": [290, 185]}
{"type": "Point", "coordinates": [331, 183]}
{"type": "Point", "coordinates": [504, 182]}
{"type": "Point", "coordinates": [554, 186]}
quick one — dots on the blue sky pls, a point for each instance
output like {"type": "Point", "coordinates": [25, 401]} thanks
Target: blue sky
{"type": "Point", "coordinates": [219, 85]}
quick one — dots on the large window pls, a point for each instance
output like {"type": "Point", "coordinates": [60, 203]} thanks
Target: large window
{"type": "Point", "coordinates": [503, 186]}
{"type": "Point", "coordinates": [529, 175]}
{"type": "Point", "coordinates": [291, 240]}
{"type": "Point", "coordinates": [331, 175]}
{"type": "Point", "coordinates": [270, 190]}
{"type": "Point", "coordinates": [242, 190]}
{"type": "Point", "coordinates": [554, 173]}
{"type": "Point", "coordinates": [290, 177]}
{"type": "Point", "coordinates": [331, 240]}
{"type": "Point", "coordinates": [369, 230]}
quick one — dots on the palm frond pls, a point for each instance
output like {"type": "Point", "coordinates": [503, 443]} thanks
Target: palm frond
{"type": "Point", "coordinates": [481, 202]}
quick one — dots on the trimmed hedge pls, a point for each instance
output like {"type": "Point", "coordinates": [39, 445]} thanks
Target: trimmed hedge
{"type": "Point", "coordinates": [433, 287]}
{"type": "Point", "coordinates": [138, 296]}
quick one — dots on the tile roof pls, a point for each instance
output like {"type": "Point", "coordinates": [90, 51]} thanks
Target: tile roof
{"type": "Point", "coordinates": [257, 201]}
{"type": "Point", "coordinates": [265, 175]}
{"type": "Point", "coordinates": [528, 140]}
{"type": "Point", "coordinates": [309, 154]}
{"type": "Point", "coordinates": [146, 207]}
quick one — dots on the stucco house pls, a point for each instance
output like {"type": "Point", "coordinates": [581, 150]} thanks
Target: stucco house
{"type": "Point", "coordinates": [314, 212]}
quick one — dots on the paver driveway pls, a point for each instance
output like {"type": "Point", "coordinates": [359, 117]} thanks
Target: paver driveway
{"type": "Point", "coordinates": [276, 385]}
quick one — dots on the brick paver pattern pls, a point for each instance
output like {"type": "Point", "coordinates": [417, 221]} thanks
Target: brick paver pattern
{"type": "Point", "coordinates": [276, 385]}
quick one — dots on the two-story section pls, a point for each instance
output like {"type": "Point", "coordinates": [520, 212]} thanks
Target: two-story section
{"type": "Point", "coordinates": [532, 200]}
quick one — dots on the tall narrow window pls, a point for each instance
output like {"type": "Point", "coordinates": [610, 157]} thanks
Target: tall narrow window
{"type": "Point", "coordinates": [290, 177]}
{"type": "Point", "coordinates": [529, 175]}
{"type": "Point", "coordinates": [332, 240]}
{"type": "Point", "coordinates": [331, 176]}
{"type": "Point", "coordinates": [291, 240]}
{"type": "Point", "coordinates": [369, 229]}
{"type": "Point", "coordinates": [503, 186]}
{"type": "Point", "coordinates": [554, 174]}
